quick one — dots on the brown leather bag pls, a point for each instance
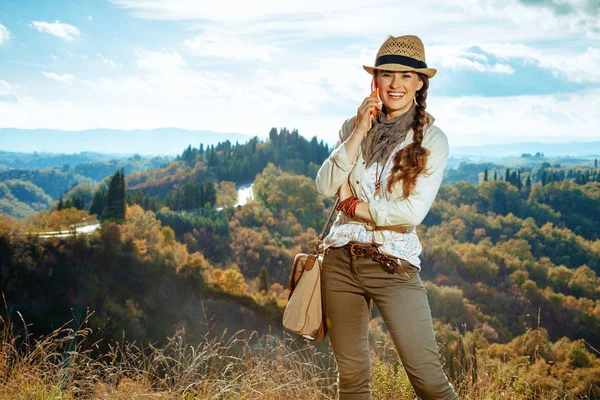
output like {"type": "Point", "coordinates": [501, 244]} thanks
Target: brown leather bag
{"type": "Point", "coordinates": [304, 312]}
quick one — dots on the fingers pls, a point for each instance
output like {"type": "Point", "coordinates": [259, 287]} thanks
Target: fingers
{"type": "Point", "coordinates": [369, 105]}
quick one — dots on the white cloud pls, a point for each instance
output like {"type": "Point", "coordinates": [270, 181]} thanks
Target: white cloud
{"type": "Point", "coordinates": [54, 57]}
{"type": "Point", "coordinates": [167, 64]}
{"type": "Point", "coordinates": [576, 66]}
{"type": "Point", "coordinates": [64, 78]}
{"type": "Point", "coordinates": [165, 80]}
{"type": "Point", "coordinates": [8, 93]}
{"type": "Point", "coordinates": [58, 29]}
{"type": "Point", "coordinates": [311, 83]}
{"type": "Point", "coordinates": [466, 120]}
{"type": "Point", "coordinates": [172, 92]}
{"type": "Point", "coordinates": [223, 45]}
{"type": "Point", "coordinates": [107, 61]}
{"type": "Point", "coordinates": [5, 85]}
{"type": "Point", "coordinates": [221, 11]}
{"type": "Point", "coordinates": [459, 57]}
{"type": "Point", "coordinates": [580, 14]}
{"type": "Point", "coordinates": [90, 18]}
{"type": "Point", "coordinates": [4, 34]}
{"type": "Point", "coordinates": [440, 20]}
{"type": "Point", "coordinates": [547, 118]}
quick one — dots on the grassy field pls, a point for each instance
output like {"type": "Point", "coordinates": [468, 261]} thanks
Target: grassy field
{"type": "Point", "coordinates": [67, 365]}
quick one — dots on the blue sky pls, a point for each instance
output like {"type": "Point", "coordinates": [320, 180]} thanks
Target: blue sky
{"type": "Point", "coordinates": [508, 71]}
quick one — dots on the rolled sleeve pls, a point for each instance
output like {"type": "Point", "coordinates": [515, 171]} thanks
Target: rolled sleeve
{"type": "Point", "coordinates": [413, 209]}
{"type": "Point", "coordinates": [340, 158]}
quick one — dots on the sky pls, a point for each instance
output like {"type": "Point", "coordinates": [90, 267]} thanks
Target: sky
{"type": "Point", "coordinates": [508, 71]}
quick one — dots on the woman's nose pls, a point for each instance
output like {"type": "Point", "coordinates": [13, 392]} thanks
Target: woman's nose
{"type": "Point", "coordinates": [395, 81]}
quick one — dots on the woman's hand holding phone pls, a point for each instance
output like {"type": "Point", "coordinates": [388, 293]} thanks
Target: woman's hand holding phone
{"type": "Point", "coordinates": [362, 123]}
{"type": "Point", "coordinates": [367, 109]}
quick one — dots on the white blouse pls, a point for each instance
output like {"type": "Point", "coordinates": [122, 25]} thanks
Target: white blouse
{"type": "Point", "coordinates": [401, 245]}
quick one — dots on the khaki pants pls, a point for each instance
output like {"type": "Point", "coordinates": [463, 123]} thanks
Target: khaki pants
{"type": "Point", "coordinates": [348, 285]}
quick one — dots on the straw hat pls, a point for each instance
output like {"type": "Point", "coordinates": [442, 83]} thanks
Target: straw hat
{"type": "Point", "coordinates": [402, 53]}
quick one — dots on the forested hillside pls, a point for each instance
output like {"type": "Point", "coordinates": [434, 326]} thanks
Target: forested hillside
{"type": "Point", "coordinates": [521, 170]}
{"type": "Point", "coordinates": [511, 262]}
{"type": "Point", "coordinates": [21, 198]}
{"type": "Point", "coordinates": [36, 160]}
{"type": "Point", "coordinates": [36, 182]}
{"type": "Point", "coordinates": [237, 163]}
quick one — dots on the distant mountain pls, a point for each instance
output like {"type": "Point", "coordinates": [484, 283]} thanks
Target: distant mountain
{"type": "Point", "coordinates": [37, 160]}
{"type": "Point", "coordinates": [501, 150]}
{"type": "Point", "coordinates": [163, 141]}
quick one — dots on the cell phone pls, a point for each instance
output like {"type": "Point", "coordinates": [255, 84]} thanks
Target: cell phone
{"type": "Point", "coordinates": [374, 93]}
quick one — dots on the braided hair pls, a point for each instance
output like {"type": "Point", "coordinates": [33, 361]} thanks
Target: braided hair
{"type": "Point", "coordinates": [411, 160]}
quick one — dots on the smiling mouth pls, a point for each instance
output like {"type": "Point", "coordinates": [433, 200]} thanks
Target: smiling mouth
{"type": "Point", "coordinates": [396, 96]}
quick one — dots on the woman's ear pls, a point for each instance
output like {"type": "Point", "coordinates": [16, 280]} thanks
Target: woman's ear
{"type": "Point", "coordinates": [420, 85]}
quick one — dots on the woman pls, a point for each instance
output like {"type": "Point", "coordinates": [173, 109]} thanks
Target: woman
{"type": "Point", "coordinates": [387, 169]}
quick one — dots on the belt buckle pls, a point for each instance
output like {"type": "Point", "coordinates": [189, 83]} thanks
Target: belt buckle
{"type": "Point", "coordinates": [356, 250]}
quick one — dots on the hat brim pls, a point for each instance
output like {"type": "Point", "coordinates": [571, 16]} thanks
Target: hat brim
{"type": "Point", "coordinates": [428, 72]}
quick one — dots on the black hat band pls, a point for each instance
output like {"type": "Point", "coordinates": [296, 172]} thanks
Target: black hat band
{"type": "Point", "coordinates": [404, 60]}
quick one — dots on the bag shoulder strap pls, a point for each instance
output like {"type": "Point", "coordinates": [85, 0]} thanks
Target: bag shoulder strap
{"type": "Point", "coordinates": [324, 230]}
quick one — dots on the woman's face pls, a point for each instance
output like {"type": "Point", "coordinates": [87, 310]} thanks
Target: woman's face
{"type": "Point", "coordinates": [397, 90]}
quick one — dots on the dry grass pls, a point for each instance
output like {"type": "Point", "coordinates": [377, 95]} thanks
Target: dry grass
{"type": "Point", "coordinates": [64, 365]}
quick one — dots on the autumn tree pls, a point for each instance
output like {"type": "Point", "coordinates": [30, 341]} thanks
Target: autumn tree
{"type": "Point", "coordinates": [226, 194]}
{"type": "Point", "coordinates": [288, 193]}
{"type": "Point", "coordinates": [231, 281]}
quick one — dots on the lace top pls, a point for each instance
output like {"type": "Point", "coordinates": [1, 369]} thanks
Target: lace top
{"type": "Point", "coordinates": [402, 245]}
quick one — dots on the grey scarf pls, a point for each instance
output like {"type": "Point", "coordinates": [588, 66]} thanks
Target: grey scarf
{"type": "Point", "coordinates": [385, 136]}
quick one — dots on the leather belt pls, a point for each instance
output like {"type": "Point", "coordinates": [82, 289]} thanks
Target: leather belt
{"type": "Point", "coordinates": [372, 252]}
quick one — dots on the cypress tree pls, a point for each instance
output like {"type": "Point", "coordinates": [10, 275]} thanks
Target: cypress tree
{"type": "Point", "coordinates": [513, 179]}
{"type": "Point", "coordinates": [114, 206]}
{"type": "Point", "coordinates": [485, 175]}
{"type": "Point", "coordinates": [97, 205]}
{"type": "Point", "coordinates": [210, 193]}
{"type": "Point", "coordinates": [544, 178]}
{"type": "Point", "coordinates": [507, 175]}
{"type": "Point", "coordinates": [528, 181]}
{"type": "Point", "coordinates": [201, 195]}
{"type": "Point", "coordinates": [77, 202]}
{"type": "Point", "coordinates": [495, 174]}
{"type": "Point", "coordinates": [264, 279]}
